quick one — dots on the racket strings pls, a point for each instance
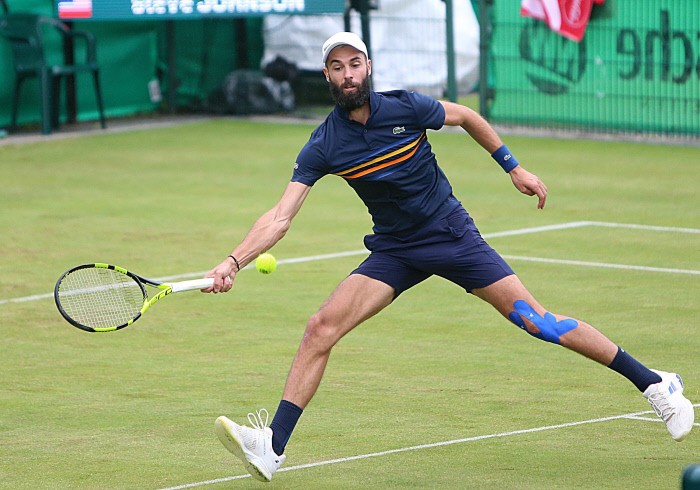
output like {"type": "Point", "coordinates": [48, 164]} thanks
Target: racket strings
{"type": "Point", "coordinates": [100, 298]}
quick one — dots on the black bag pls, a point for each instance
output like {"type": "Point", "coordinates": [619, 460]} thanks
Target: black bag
{"type": "Point", "coordinates": [251, 92]}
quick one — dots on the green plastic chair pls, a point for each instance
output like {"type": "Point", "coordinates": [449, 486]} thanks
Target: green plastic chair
{"type": "Point", "coordinates": [27, 34]}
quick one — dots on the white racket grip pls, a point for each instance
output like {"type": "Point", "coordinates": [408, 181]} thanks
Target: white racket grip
{"type": "Point", "coordinates": [205, 283]}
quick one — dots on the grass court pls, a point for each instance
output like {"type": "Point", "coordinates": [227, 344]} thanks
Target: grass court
{"type": "Point", "coordinates": [438, 391]}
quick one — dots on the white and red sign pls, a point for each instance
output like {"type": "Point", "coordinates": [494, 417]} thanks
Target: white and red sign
{"type": "Point", "coordinates": [75, 9]}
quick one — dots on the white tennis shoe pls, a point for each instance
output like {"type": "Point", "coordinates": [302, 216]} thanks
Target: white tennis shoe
{"type": "Point", "coordinates": [252, 445]}
{"type": "Point", "coordinates": [667, 400]}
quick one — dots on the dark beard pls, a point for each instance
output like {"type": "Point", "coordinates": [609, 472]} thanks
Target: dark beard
{"type": "Point", "coordinates": [351, 101]}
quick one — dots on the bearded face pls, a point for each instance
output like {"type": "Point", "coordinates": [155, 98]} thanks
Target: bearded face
{"type": "Point", "coordinates": [353, 99]}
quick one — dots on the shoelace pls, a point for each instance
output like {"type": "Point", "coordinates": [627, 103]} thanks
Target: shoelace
{"type": "Point", "coordinates": [256, 420]}
{"type": "Point", "coordinates": [661, 406]}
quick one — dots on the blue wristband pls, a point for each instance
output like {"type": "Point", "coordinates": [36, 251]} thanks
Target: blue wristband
{"type": "Point", "coordinates": [504, 158]}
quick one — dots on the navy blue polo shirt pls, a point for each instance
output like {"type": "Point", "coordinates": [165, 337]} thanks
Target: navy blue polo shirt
{"type": "Point", "coordinates": [388, 161]}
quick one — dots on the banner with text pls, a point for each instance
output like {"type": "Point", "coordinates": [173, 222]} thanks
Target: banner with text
{"type": "Point", "coordinates": [637, 69]}
{"type": "Point", "coordinates": [189, 9]}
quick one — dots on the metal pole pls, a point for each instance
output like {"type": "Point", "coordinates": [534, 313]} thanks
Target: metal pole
{"type": "Point", "coordinates": [450, 52]}
{"type": "Point", "coordinates": [364, 20]}
{"type": "Point", "coordinates": [69, 59]}
{"type": "Point", "coordinates": [346, 17]}
{"type": "Point", "coordinates": [485, 31]}
{"type": "Point", "coordinates": [172, 65]}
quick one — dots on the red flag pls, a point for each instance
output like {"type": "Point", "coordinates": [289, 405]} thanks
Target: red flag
{"type": "Point", "coordinates": [566, 17]}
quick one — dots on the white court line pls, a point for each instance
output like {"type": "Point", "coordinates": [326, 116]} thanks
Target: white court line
{"type": "Point", "coordinates": [190, 275]}
{"type": "Point", "coordinates": [655, 419]}
{"type": "Point", "coordinates": [538, 229]}
{"type": "Point", "coordinates": [668, 229]}
{"type": "Point", "coordinates": [522, 231]}
{"type": "Point", "coordinates": [602, 265]}
{"type": "Point", "coordinates": [629, 416]}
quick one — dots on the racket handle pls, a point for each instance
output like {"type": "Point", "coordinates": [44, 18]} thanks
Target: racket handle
{"type": "Point", "coordinates": [205, 283]}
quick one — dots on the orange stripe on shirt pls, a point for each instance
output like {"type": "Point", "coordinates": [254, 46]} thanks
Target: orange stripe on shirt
{"type": "Point", "coordinates": [383, 157]}
{"type": "Point", "coordinates": [385, 165]}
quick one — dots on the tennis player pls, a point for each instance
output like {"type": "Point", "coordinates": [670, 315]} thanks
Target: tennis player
{"type": "Point", "coordinates": [378, 143]}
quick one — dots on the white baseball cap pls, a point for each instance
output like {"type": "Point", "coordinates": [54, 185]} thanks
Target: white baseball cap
{"type": "Point", "coordinates": [342, 39]}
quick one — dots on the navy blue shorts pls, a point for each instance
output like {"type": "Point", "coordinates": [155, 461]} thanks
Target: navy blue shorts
{"type": "Point", "coordinates": [451, 248]}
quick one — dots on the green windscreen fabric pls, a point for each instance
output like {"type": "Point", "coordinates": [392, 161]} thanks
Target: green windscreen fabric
{"type": "Point", "coordinates": [133, 53]}
{"type": "Point", "coordinates": [207, 50]}
{"type": "Point", "coordinates": [127, 54]}
{"type": "Point", "coordinates": [636, 69]}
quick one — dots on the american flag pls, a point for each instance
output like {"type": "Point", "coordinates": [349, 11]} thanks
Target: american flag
{"type": "Point", "coordinates": [74, 9]}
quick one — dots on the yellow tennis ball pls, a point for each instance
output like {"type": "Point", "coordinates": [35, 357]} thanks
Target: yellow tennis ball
{"type": "Point", "coordinates": [266, 263]}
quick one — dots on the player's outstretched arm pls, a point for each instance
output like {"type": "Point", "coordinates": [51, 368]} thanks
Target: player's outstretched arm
{"type": "Point", "coordinates": [477, 127]}
{"type": "Point", "coordinates": [265, 233]}
{"type": "Point", "coordinates": [482, 132]}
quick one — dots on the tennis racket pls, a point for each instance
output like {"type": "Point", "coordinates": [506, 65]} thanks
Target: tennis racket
{"type": "Point", "coordinates": [103, 297]}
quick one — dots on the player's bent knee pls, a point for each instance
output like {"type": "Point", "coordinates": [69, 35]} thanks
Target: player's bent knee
{"type": "Point", "coordinates": [549, 329]}
{"type": "Point", "coordinates": [319, 333]}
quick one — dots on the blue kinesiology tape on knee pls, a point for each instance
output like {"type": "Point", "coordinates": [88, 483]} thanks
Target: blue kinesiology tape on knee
{"type": "Point", "coordinates": [551, 330]}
